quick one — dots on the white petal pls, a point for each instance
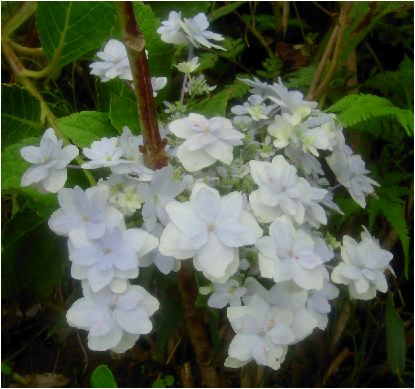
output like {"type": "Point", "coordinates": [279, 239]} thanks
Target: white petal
{"type": "Point", "coordinates": [106, 342]}
{"type": "Point", "coordinates": [193, 161]}
{"type": "Point", "coordinates": [134, 322]}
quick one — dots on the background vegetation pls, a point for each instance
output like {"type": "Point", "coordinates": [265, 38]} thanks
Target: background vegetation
{"type": "Point", "coordinates": [364, 74]}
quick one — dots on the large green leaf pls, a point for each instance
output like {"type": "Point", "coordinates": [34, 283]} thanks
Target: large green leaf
{"type": "Point", "coordinates": [112, 87]}
{"type": "Point", "coordinates": [159, 53]}
{"type": "Point", "coordinates": [124, 113]}
{"type": "Point", "coordinates": [69, 30]}
{"type": "Point", "coordinates": [20, 114]}
{"type": "Point", "coordinates": [395, 338]}
{"type": "Point", "coordinates": [102, 377]}
{"type": "Point", "coordinates": [84, 127]}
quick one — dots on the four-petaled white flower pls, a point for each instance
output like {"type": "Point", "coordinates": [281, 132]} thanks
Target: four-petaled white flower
{"type": "Point", "coordinates": [110, 260]}
{"type": "Point", "coordinates": [262, 334]}
{"type": "Point", "coordinates": [115, 62]}
{"type": "Point", "coordinates": [49, 162]}
{"type": "Point", "coordinates": [171, 30]}
{"type": "Point", "coordinates": [351, 172]}
{"type": "Point", "coordinates": [113, 320]}
{"type": "Point", "coordinates": [207, 140]}
{"type": "Point", "coordinates": [87, 210]}
{"type": "Point", "coordinates": [229, 293]}
{"type": "Point", "coordinates": [362, 267]}
{"type": "Point", "coordinates": [288, 254]}
{"type": "Point", "coordinates": [102, 153]}
{"type": "Point", "coordinates": [210, 229]}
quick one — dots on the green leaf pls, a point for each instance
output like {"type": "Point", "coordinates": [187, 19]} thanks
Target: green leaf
{"type": "Point", "coordinates": [13, 165]}
{"type": "Point", "coordinates": [207, 61]}
{"type": "Point", "coordinates": [102, 377]}
{"type": "Point", "coordinates": [301, 77]}
{"type": "Point", "coordinates": [224, 10]}
{"type": "Point", "coordinates": [5, 368]}
{"type": "Point", "coordinates": [395, 338]}
{"type": "Point", "coordinates": [71, 29]}
{"type": "Point", "coordinates": [84, 127]}
{"type": "Point", "coordinates": [159, 53]}
{"type": "Point", "coordinates": [353, 109]}
{"type": "Point", "coordinates": [169, 380]}
{"type": "Point", "coordinates": [158, 383]}
{"type": "Point", "coordinates": [112, 87]}
{"type": "Point", "coordinates": [212, 106]}
{"type": "Point", "coordinates": [124, 113]}
{"type": "Point", "coordinates": [20, 114]}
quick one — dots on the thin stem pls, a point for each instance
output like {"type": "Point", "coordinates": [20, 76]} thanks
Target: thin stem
{"type": "Point", "coordinates": [154, 154]}
{"type": "Point", "coordinates": [326, 55]}
{"type": "Point", "coordinates": [45, 111]}
{"type": "Point", "coordinates": [337, 50]}
{"type": "Point", "coordinates": [32, 52]}
{"type": "Point", "coordinates": [186, 75]}
{"type": "Point", "coordinates": [299, 21]}
{"type": "Point", "coordinates": [327, 12]}
{"type": "Point", "coordinates": [21, 15]}
{"type": "Point", "coordinates": [257, 35]}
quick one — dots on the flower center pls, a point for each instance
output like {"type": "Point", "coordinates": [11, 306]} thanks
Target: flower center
{"type": "Point", "coordinates": [211, 227]}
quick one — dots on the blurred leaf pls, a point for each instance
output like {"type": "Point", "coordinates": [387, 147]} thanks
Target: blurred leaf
{"type": "Point", "coordinates": [5, 368]}
{"type": "Point", "coordinates": [159, 53]}
{"type": "Point", "coordinates": [169, 380]}
{"type": "Point", "coordinates": [212, 106]}
{"type": "Point", "coordinates": [84, 127]}
{"type": "Point", "coordinates": [207, 61]}
{"type": "Point", "coordinates": [73, 28]}
{"type": "Point", "coordinates": [124, 113]}
{"type": "Point", "coordinates": [224, 10]}
{"type": "Point", "coordinates": [102, 377]}
{"type": "Point", "coordinates": [159, 383]}
{"type": "Point", "coordinates": [395, 338]}
{"type": "Point", "coordinates": [20, 114]}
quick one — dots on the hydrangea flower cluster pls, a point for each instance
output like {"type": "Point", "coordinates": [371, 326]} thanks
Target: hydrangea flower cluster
{"type": "Point", "coordinates": [246, 198]}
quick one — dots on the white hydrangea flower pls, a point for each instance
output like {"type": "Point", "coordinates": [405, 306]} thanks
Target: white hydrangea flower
{"type": "Point", "coordinates": [87, 210]}
{"type": "Point", "coordinates": [164, 263]}
{"type": "Point", "coordinates": [122, 193]}
{"type": "Point", "coordinates": [115, 62]}
{"type": "Point", "coordinates": [284, 129]}
{"type": "Point", "coordinates": [171, 30]}
{"type": "Point", "coordinates": [110, 260]}
{"type": "Point", "coordinates": [158, 83]}
{"type": "Point", "coordinates": [288, 296]}
{"type": "Point", "coordinates": [318, 303]}
{"type": "Point", "coordinates": [197, 33]}
{"type": "Point", "coordinates": [49, 162]}
{"type": "Point", "coordinates": [288, 254]}
{"type": "Point", "coordinates": [290, 101]}
{"type": "Point", "coordinates": [363, 266]}
{"type": "Point", "coordinates": [229, 293]}
{"type": "Point", "coordinates": [102, 153]}
{"type": "Point", "coordinates": [114, 321]}
{"type": "Point", "coordinates": [262, 334]}
{"type": "Point", "coordinates": [207, 140]}
{"type": "Point", "coordinates": [163, 188]}
{"type": "Point", "coordinates": [351, 173]}
{"type": "Point", "coordinates": [281, 192]}
{"type": "Point", "coordinates": [255, 108]}
{"type": "Point", "coordinates": [188, 66]}
{"type": "Point", "coordinates": [210, 229]}
{"type": "Point", "coordinates": [188, 31]}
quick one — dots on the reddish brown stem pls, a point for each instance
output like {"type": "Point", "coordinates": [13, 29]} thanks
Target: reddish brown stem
{"type": "Point", "coordinates": [194, 319]}
{"type": "Point", "coordinates": [154, 155]}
